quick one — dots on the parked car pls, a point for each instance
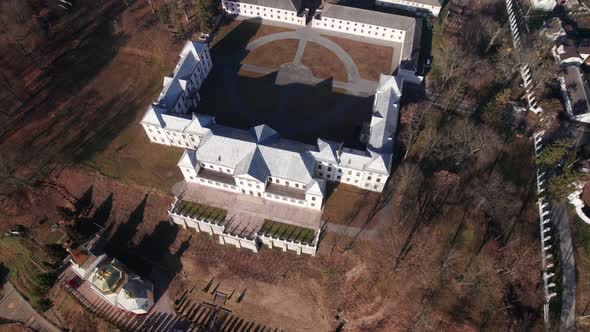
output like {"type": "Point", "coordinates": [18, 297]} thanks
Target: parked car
{"type": "Point", "coordinates": [428, 63]}
{"type": "Point", "coordinates": [17, 230]}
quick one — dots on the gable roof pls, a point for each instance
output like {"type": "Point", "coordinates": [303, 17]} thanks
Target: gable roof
{"type": "Point", "coordinates": [188, 159]}
{"type": "Point", "coordinates": [153, 116]}
{"type": "Point", "coordinates": [254, 165]}
{"type": "Point", "coordinates": [263, 132]}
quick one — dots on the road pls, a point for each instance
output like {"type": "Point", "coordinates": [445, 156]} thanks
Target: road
{"type": "Point", "coordinates": [561, 220]}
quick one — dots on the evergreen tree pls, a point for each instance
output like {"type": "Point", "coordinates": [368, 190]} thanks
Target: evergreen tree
{"type": "Point", "coordinates": [552, 154]}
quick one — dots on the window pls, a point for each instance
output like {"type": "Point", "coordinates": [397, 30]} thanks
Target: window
{"type": "Point", "coordinates": [313, 198]}
{"type": "Point", "coordinates": [259, 195]}
{"type": "Point", "coordinates": [356, 181]}
{"type": "Point", "coordinates": [251, 193]}
{"type": "Point", "coordinates": [312, 204]}
{"type": "Point", "coordinates": [243, 191]}
{"type": "Point", "coordinates": [191, 177]}
{"type": "Point", "coordinates": [321, 174]}
{"type": "Point", "coordinates": [319, 166]}
{"type": "Point", "coordinates": [329, 169]}
{"type": "Point", "coordinates": [349, 172]}
{"type": "Point", "coordinates": [296, 185]}
{"type": "Point", "coordinates": [378, 180]}
{"type": "Point", "coordinates": [358, 173]}
{"type": "Point", "coordinates": [347, 179]}
{"type": "Point", "coordinates": [249, 184]}
{"type": "Point", "coordinates": [302, 186]}
{"type": "Point", "coordinates": [338, 177]}
{"type": "Point", "coordinates": [150, 130]}
{"type": "Point", "coordinates": [211, 166]}
{"type": "Point", "coordinates": [329, 176]}
{"type": "Point", "coordinates": [210, 182]}
{"type": "Point", "coordinates": [286, 183]}
{"type": "Point", "coordinates": [368, 178]}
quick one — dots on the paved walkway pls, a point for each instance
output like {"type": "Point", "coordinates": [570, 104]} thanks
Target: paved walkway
{"type": "Point", "coordinates": [14, 307]}
{"type": "Point", "coordinates": [561, 220]}
{"type": "Point", "coordinates": [244, 207]}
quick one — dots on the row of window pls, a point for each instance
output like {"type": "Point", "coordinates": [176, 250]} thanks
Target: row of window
{"type": "Point", "coordinates": [363, 31]}
{"type": "Point", "coordinates": [215, 183]}
{"type": "Point", "coordinates": [226, 170]}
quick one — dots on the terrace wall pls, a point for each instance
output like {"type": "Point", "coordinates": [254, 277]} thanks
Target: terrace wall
{"type": "Point", "coordinates": [299, 248]}
{"type": "Point", "coordinates": [238, 242]}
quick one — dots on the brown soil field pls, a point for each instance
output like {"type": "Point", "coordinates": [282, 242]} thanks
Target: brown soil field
{"type": "Point", "coordinates": [370, 59]}
{"type": "Point", "coordinates": [273, 54]}
{"type": "Point", "coordinates": [323, 63]}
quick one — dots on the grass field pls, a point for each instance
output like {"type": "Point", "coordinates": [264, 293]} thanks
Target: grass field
{"type": "Point", "coordinates": [370, 59]}
{"type": "Point", "coordinates": [132, 157]}
{"type": "Point", "coordinates": [273, 54]}
{"type": "Point", "coordinates": [24, 273]}
{"type": "Point", "coordinates": [349, 205]}
{"type": "Point", "coordinates": [323, 63]}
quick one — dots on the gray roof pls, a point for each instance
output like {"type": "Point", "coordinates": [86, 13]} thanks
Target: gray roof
{"type": "Point", "coordinates": [259, 152]}
{"type": "Point", "coordinates": [368, 17]}
{"type": "Point", "coordinates": [292, 5]}
{"type": "Point", "coordinates": [577, 90]}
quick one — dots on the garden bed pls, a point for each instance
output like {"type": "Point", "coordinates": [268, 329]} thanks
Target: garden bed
{"type": "Point", "coordinates": [286, 232]}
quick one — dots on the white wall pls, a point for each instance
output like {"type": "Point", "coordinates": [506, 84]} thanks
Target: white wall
{"type": "Point", "coordinates": [266, 13]}
{"type": "Point", "coordinates": [359, 29]}
{"type": "Point", "coordinates": [410, 5]}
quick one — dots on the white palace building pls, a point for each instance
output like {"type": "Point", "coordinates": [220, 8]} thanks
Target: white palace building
{"type": "Point", "coordinates": [258, 161]}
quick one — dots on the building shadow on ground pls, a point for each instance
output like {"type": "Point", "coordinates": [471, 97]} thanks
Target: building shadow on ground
{"type": "Point", "coordinates": [152, 257]}
{"type": "Point", "coordinates": [299, 110]}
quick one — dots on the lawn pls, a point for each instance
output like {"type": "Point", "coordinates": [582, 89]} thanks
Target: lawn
{"type": "Point", "coordinates": [349, 205]}
{"type": "Point", "coordinates": [133, 158]}
{"type": "Point", "coordinates": [323, 63]}
{"type": "Point", "coordinates": [273, 54]}
{"type": "Point", "coordinates": [24, 273]}
{"type": "Point", "coordinates": [370, 59]}
{"type": "Point", "coordinates": [235, 35]}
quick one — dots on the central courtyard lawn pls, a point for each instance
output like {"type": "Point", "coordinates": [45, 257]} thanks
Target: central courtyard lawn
{"type": "Point", "coordinates": [273, 54]}
{"type": "Point", "coordinates": [370, 59]}
{"type": "Point", "coordinates": [323, 63]}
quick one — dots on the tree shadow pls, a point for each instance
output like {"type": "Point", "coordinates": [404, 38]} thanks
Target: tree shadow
{"type": "Point", "coordinates": [152, 257]}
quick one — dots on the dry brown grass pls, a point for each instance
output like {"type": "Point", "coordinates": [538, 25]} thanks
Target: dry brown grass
{"type": "Point", "coordinates": [250, 74]}
{"type": "Point", "coordinates": [370, 59]}
{"type": "Point", "coordinates": [323, 63]}
{"type": "Point", "coordinates": [273, 54]}
{"type": "Point", "coordinates": [74, 316]}
{"type": "Point", "coordinates": [261, 30]}
{"type": "Point", "coordinates": [349, 205]}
